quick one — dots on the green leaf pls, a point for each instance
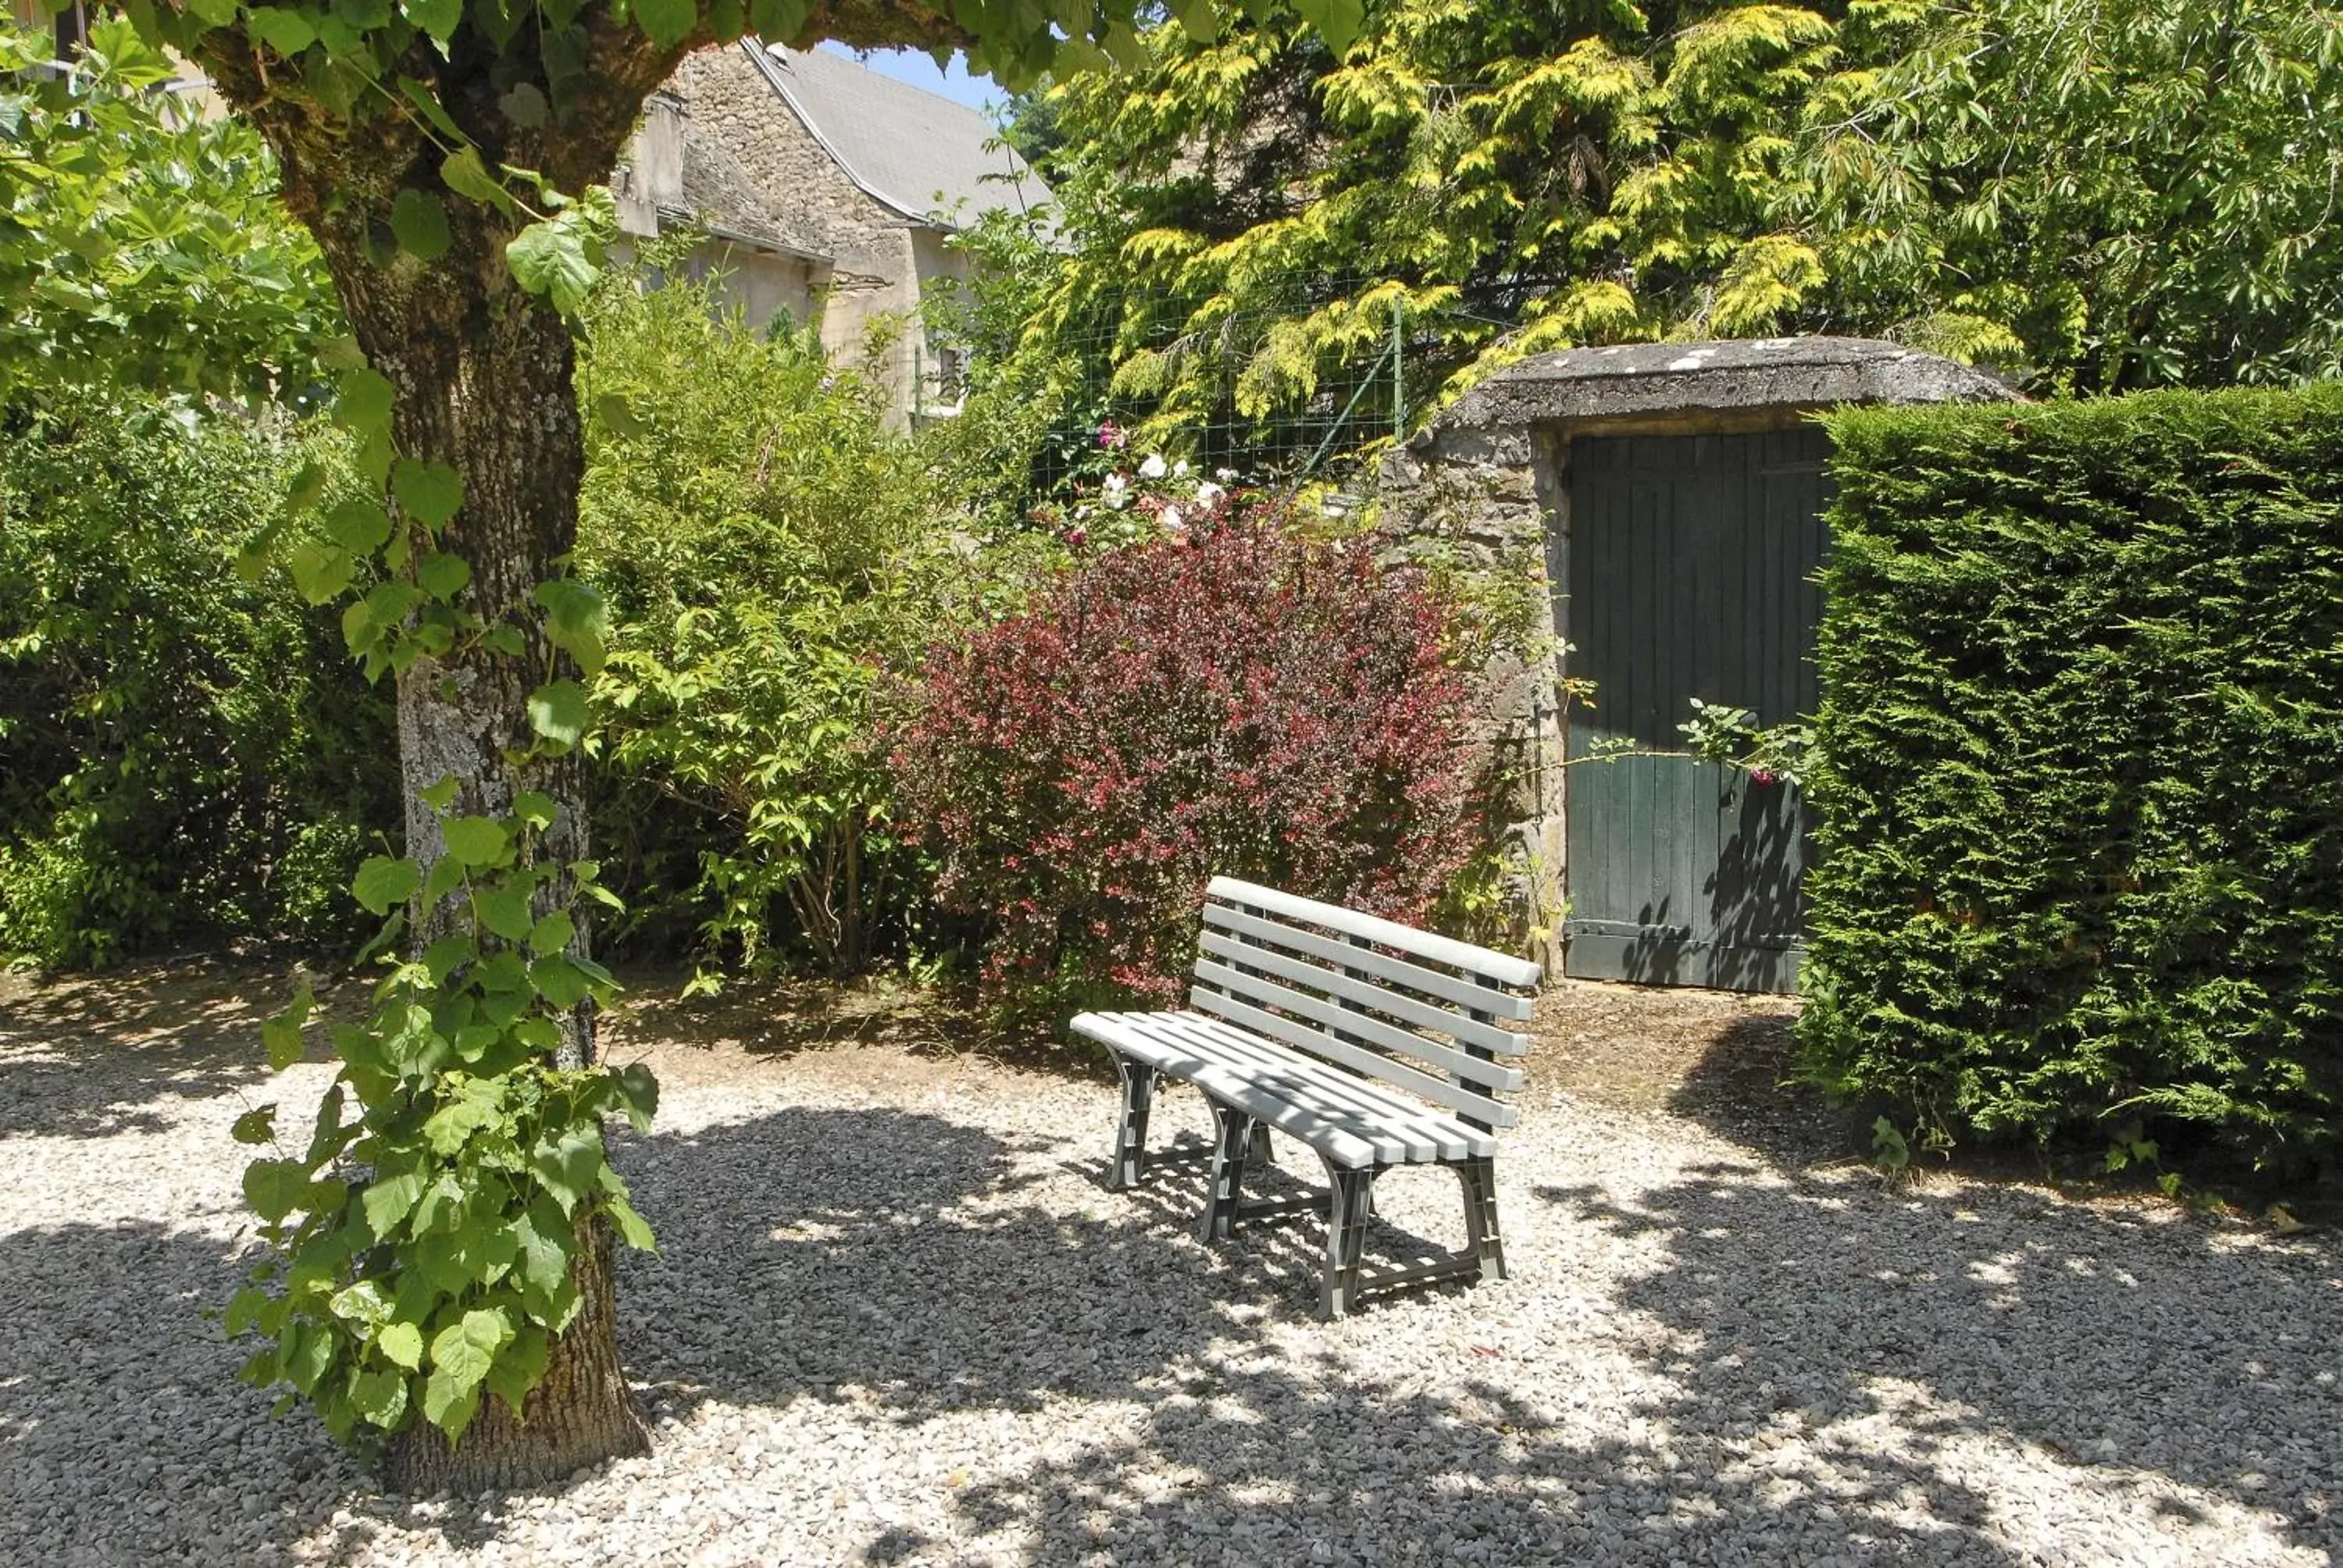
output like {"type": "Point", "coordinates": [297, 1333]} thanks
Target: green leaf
{"type": "Point", "coordinates": [566, 1168]}
{"type": "Point", "coordinates": [524, 106]}
{"type": "Point", "coordinates": [638, 1090]}
{"type": "Point", "coordinates": [449, 1403]}
{"type": "Point", "coordinates": [383, 882]}
{"type": "Point", "coordinates": [274, 1187]}
{"type": "Point", "coordinates": [358, 524]}
{"type": "Point", "coordinates": [780, 21]}
{"type": "Point", "coordinates": [558, 712]}
{"type": "Point", "coordinates": [522, 1366]}
{"type": "Point", "coordinates": [505, 911]}
{"type": "Point", "coordinates": [421, 94]}
{"type": "Point", "coordinates": [379, 1395]}
{"type": "Point", "coordinates": [1338, 21]}
{"type": "Point", "coordinates": [535, 807]}
{"type": "Point", "coordinates": [402, 1343]}
{"type": "Point", "coordinates": [666, 21]}
{"type": "Point", "coordinates": [632, 1228]}
{"type": "Point", "coordinates": [464, 1350]}
{"type": "Point", "coordinates": [443, 576]}
{"type": "Point", "coordinates": [320, 571]}
{"type": "Point", "coordinates": [388, 1199]}
{"type": "Point", "coordinates": [430, 493]}
{"type": "Point", "coordinates": [287, 31]}
{"type": "Point", "coordinates": [255, 1126]}
{"type": "Point", "coordinates": [544, 1239]}
{"type": "Point", "coordinates": [476, 840]}
{"type": "Point", "coordinates": [551, 258]}
{"type": "Point", "coordinates": [448, 874]}
{"type": "Point", "coordinates": [466, 176]}
{"type": "Point", "coordinates": [362, 1301]}
{"type": "Point", "coordinates": [552, 934]}
{"type": "Point", "coordinates": [441, 795]}
{"type": "Point", "coordinates": [559, 981]}
{"type": "Point", "coordinates": [439, 18]}
{"type": "Point", "coordinates": [420, 222]}
{"type": "Point", "coordinates": [281, 1036]}
{"type": "Point", "coordinates": [1199, 19]}
{"type": "Point", "coordinates": [363, 399]}
{"type": "Point", "coordinates": [576, 618]}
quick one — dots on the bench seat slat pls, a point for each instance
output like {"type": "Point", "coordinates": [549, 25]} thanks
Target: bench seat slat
{"type": "Point", "coordinates": [1424, 1015]}
{"type": "Point", "coordinates": [1397, 970]}
{"type": "Point", "coordinates": [1440, 1091]}
{"type": "Point", "coordinates": [1456, 1140]}
{"type": "Point", "coordinates": [1484, 1076]}
{"type": "Point", "coordinates": [1496, 966]}
{"type": "Point", "coordinates": [1351, 1120]}
{"type": "Point", "coordinates": [1345, 1138]}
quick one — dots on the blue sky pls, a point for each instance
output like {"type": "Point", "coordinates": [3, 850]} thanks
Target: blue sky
{"type": "Point", "coordinates": [919, 69]}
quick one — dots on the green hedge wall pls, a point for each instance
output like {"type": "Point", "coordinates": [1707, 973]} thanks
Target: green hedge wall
{"type": "Point", "coordinates": [2080, 784]}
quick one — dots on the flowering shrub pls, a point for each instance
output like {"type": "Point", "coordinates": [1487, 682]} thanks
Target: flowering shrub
{"type": "Point", "coordinates": [1225, 698]}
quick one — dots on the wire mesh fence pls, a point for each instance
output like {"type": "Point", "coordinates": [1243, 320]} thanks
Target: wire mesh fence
{"type": "Point", "coordinates": [1309, 372]}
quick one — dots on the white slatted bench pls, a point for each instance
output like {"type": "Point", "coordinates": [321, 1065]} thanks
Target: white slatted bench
{"type": "Point", "coordinates": [1373, 1043]}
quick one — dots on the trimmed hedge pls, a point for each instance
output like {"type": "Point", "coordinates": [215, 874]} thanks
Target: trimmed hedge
{"type": "Point", "coordinates": [2080, 782]}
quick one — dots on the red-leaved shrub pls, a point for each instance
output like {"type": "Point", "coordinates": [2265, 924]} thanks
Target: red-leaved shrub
{"type": "Point", "coordinates": [1235, 700]}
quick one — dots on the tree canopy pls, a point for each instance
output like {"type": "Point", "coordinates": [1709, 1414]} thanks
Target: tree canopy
{"type": "Point", "coordinates": [2092, 195]}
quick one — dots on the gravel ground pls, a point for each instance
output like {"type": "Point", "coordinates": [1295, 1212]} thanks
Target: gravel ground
{"type": "Point", "coordinates": [897, 1320]}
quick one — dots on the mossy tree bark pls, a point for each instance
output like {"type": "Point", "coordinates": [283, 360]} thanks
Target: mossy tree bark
{"type": "Point", "coordinates": [483, 373]}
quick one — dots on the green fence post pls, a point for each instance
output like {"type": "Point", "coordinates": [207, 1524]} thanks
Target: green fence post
{"type": "Point", "coordinates": [1399, 374]}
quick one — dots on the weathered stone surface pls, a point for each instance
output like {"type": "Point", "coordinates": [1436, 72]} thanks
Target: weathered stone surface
{"type": "Point", "coordinates": [1788, 373]}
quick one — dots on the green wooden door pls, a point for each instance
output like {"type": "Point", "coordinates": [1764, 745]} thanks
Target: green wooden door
{"type": "Point", "coordinates": [1691, 568]}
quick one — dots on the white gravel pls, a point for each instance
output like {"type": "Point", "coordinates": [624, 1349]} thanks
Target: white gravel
{"type": "Point", "coordinates": [897, 1321]}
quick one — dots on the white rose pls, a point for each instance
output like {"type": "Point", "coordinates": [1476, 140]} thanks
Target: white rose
{"type": "Point", "coordinates": [1207, 493]}
{"type": "Point", "coordinates": [1170, 517]}
{"type": "Point", "coordinates": [1180, 469]}
{"type": "Point", "coordinates": [1154, 467]}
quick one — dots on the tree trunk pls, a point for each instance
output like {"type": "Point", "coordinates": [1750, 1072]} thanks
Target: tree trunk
{"type": "Point", "coordinates": [578, 1417]}
{"type": "Point", "coordinates": [483, 373]}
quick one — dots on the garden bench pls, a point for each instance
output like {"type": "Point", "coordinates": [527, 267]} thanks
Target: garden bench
{"type": "Point", "coordinates": [1373, 1043]}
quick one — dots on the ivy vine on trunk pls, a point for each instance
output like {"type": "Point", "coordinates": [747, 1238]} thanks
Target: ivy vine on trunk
{"type": "Point", "coordinates": [440, 1286]}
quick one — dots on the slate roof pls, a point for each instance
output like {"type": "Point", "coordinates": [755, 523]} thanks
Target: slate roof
{"type": "Point", "coordinates": [915, 152]}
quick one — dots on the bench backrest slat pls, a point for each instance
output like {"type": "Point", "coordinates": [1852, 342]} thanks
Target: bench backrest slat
{"type": "Point", "coordinates": [1368, 1064]}
{"type": "Point", "coordinates": [1406, 1007]}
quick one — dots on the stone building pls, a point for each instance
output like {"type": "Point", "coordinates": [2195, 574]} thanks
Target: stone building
{"type": "Point", "coordinates": [825, 192]}
{"type": "Point", "coordinates": [1669, 498]}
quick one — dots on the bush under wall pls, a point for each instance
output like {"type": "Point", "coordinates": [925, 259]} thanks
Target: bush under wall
{"type": "Point", "coordinates": [2080, 786]}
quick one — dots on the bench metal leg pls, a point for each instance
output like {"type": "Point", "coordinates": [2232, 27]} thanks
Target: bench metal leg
{"type": "Point", "coordinates": [1483, 1240]}
{"type": "Point", "coordinates": [1258, 1157]}
{"type": "Point", "coordinates": [1232, 1146]}
{"type": "Point", "coordinates": [1131, 1134]}
{"type": "Point", "coordinates": [1346, 1237]}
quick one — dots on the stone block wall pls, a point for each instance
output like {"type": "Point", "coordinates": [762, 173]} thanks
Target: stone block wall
{"type": "Point", "coordinates": [1476, 507]}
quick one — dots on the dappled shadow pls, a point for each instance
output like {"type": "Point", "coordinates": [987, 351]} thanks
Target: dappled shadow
{"type": "Point", "coordinates": [124, 1434]}
{"type": "Point", "coordinates": [917, 1333]}
{"type": "Point", "coordinates": [1738, 1083]}
{"type": "Point", "coordinates": [912, 1281]}
{"type": "Point", "coordinates": [1897, 1333]}
{"type": "Point", "coordinates": [90, 1055]}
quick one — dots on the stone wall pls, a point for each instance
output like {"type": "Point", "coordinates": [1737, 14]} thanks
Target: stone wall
{"type": "Point", "coordinates": [1475, 505]}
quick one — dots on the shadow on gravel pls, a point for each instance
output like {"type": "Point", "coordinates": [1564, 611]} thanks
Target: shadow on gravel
{"type": "Point", "coordinates": [891, 1257]}
{"type": "Point", "coordinates": [124, 1437]}
{"type": "Point", "coordinates": [1824, 1364]}
{"type": "Point", "coordinates": [1738, 1086]}
{"type": "Point", "coordinates": [2133, 1353]}
{"type": "Point", "coordinates": [90, 1055]}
